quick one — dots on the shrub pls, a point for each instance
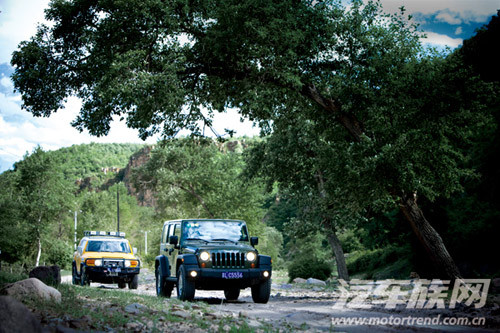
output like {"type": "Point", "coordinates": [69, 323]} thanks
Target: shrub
{"type": "Point", "coordinates": [58, 252]}
{"type": "Point", "coordinates": [387, 260]}
{"type": "Point", "coordinates": [306, 267]}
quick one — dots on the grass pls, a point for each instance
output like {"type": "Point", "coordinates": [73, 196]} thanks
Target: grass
{"type": "Point", "coordinates": [280, 276]}
{"type": "Point", "coordinates": [7, 277]}
{"type": "Point", "coordinates": [65, 272]}
{"type": "Point", "coordinates": [103, 309]}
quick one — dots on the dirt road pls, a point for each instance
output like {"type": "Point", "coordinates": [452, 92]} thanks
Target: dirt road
{"type": "Point", "coordinates": [313, 309]}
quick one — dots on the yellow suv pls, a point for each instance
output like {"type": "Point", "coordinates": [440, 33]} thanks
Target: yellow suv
{"type": "Point", "coordinates": [106, 257]}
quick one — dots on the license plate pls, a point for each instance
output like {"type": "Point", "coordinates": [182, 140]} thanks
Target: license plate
{"type": "Point", "coordinates": [114, 271]}
{"type": "Point", "coordinates": [232, 275]}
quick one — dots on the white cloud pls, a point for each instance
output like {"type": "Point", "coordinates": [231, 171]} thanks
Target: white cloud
{"type": "Point", "coordinates": [18, 22]}
{"type": "Point", "coordinates": [6, 82]}
{"type": "Point", "coordinates": [449, 17]}
{"type": "Point", "coordinates": [439, 40]}
{"type": "Point", "coordinates": [458, 31]}
{"type": "Point", "coordinates": [477, 10]}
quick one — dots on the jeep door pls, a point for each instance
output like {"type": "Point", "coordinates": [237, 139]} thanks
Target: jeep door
{"type": "Point", "coordinates": [174, 229]}
{"type": "Point", "coordinates": [164, 240]}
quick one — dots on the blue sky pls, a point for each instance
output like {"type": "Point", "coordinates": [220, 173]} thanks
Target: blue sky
{"type": "Point", "coordinates": [445, 22]}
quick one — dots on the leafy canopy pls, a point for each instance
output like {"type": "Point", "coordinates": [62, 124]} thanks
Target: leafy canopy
{"type": "Point", "coordinates": [356, 78]}
{"type": "Point", "coordinates": [158, 63]}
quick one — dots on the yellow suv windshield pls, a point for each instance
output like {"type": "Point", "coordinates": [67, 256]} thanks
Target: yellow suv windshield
{"type": "Point", "coordinates": [108, 246]}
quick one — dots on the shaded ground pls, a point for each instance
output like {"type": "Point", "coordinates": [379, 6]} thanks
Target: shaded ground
{"type": "Point", "coordinates": [299, 308]}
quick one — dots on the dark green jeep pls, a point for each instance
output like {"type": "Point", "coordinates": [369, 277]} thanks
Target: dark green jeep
{"type": "Point", "coordinates": [211, 255]}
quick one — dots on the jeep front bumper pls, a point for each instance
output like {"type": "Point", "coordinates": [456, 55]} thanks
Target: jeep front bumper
{"type": "Point", "coordinates": [220, 279]}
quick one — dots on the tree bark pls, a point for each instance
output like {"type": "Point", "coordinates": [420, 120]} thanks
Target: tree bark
{"type": "Point", "coordinates": [338, 252]}
{"type": "Point", "coordinates": [426, 234]}
{"type": "Point", "coordinates": [428, 237]}
{"type": "Point", "coordinates": [39, 254]}
{"type": "Point", "coordinates": [339, 255]}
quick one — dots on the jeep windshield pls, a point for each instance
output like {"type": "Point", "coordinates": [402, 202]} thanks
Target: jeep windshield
{"type": "Point", "coordinates": [108, 246]}
{"type": "Point", "coordinates": [215, 231]}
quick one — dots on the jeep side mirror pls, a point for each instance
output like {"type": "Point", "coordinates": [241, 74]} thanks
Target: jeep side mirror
{"type": "Point", "coordinates": [254, 241]}
{"type": "Point", "coordinates": [174, 240]}
{"type": "Point", "coordinates": [134, 249]}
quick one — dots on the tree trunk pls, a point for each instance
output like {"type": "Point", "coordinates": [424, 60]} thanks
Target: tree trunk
{"type": "Point", "coordinates": [38, 255]}
{"type": "Point", "coordinates": [428, 237]}
{"type": "Point", "coordinates": [339, 255]}
{"type": "Point", "coordinates": [338, 252]}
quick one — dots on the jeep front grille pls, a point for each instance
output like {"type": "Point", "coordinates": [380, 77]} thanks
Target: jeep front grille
{"type": "Point", "coordinates": [228, 260]}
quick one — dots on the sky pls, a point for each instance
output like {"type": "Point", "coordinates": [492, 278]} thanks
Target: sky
{"type": "Point", "coordinates": [445, 22]}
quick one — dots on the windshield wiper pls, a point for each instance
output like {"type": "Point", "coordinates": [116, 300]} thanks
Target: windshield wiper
{"type": "Point", "coordinates": [224, 240]}
{"type": "Point", "coordinates": [198, 239]}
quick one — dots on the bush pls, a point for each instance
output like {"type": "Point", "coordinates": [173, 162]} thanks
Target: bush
{"type": "Point", "coordinates": [306, 267]}
{"type": "Point", "coordinates": [58, 252]}
{"type": "Point", "coordinates": [389, 260]}
{"type": "Point", "coordinates": [271, 244]}
{"type": "Point", "coordinates": [7, 277]}
{"type": "Point", "coordinates": [148, 260]}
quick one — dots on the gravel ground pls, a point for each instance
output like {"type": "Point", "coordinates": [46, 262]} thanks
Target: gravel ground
{"type": "Point", "coordinates": [312, 309]}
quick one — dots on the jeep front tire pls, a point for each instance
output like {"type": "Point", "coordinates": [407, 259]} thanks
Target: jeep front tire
{"type": "Point", "coordinates": [261, 291]}
{"type": "Point", "coordinates": [185, 288]}
{"type": "Point", "coordinates": [163, 288]}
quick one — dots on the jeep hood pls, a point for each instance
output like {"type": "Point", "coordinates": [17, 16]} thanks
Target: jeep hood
{"type": "Point", "coordinates": [217, 247]}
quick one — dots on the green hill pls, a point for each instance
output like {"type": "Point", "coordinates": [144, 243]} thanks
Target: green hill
{"type": "Point", "coordinates": [88, 160]}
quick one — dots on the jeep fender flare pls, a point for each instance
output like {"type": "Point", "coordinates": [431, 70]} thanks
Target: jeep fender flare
{"type": "Point", "coordinates": [265, 262]}
{"type": "Point", "coordinates": [187, 259]}
{"type": "Point", "coordinates": [162, 262]}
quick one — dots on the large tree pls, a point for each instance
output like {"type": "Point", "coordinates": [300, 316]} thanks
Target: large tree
{"type": "Point", "coordinates": [42, 195]}
{"type": "Point", "coordinates": [355, 72]}
{"type": "Point", "coordinates": [192, 177]}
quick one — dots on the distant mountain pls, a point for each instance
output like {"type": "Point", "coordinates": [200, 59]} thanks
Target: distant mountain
{"type": "Point", "coordinates": [95, 161]}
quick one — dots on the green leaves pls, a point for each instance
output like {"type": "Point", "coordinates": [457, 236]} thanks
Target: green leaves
{"type": "Point", "coordinates": [192, 177]}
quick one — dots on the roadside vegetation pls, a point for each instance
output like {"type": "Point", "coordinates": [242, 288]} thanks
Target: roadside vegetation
{"type": "Point", "coordinates": [371, 164]}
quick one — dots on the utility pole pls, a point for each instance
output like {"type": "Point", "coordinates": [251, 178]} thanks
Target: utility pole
{"type": "Point", "coordinates": [117, 210]}
{"type": "Point", "coordinates": [76, 222]}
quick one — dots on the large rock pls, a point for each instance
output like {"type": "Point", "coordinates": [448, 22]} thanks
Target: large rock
{"type": "Point", "coordinates": [316, 282]}
{"type": "Point", "coordinates": [299, 280]}
{"type": "Point", "coordinates": [31, 288]}
{"type": "Point", "coordinates": [15, 317]}
{"type": "Point", "coordinates": [50, 275]}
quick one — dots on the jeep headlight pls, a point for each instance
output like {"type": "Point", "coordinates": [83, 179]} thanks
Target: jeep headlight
{"type": "Point", "coordinates": [98, 262]}
{"type": "Point", "coordinates": [204, 256]}
{"type": "Point", "coordinates": [251, 256]}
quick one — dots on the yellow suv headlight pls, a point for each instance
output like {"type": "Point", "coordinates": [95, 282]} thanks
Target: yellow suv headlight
{"type": "Point", "coordinates": [205, 256]}
{"type": "Point", "coordinates": [131, 263]}
{"type": "Point", "coordinates": [251, 256]}
{"type": "Point", "coordinates": [93, 262]}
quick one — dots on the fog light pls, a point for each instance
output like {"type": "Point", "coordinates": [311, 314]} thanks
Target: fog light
{"type": "Point", "coordinates": [266, 274]}
{"type": "Point", "coordinates": [193, 274]}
